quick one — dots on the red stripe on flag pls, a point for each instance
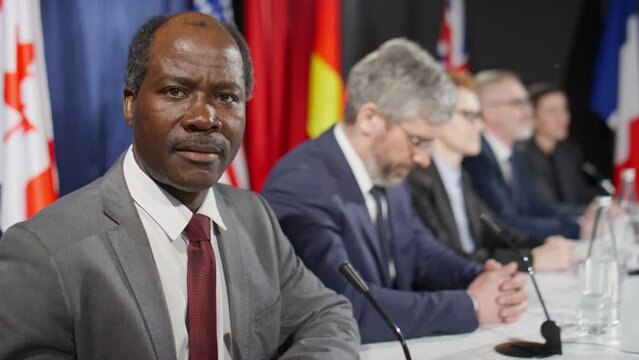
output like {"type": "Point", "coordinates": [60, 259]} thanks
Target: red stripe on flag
{"type": "Point", "coordinates": [633, 152]}
{"type": "Point", "coordinates": [328, 33]}
{"type": "Point", "coordinates": [275, 115]}
{"type": "Point", "coordinates": [40, 192]}
{"type": "Point", "coordinates": [12, 83]}
{"type": "Point", "coordinates": [230, 172]}
{"type": "Point", "coordinates": [445, 40]}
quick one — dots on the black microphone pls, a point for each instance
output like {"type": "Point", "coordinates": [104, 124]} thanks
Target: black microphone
{"type": "Point", "coordinates": [605, 184]}
{"type": "Point", "coordinates": [549, 329]}
{"type": "Point", "coordinates": [358, 283]}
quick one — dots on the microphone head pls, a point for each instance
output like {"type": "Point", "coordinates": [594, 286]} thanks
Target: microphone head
{"type": "Point", "coordinates": [490, 222]}
{"type": "Point", "coordinates": [590, 170]}
{"type": "Point", "coordinates": [353, 277]}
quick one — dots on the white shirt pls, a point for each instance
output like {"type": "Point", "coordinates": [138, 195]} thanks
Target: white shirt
{"type": "Point", "coordinates": [452, 179]}
{"type": "Point", "coordinates": [364, 181]}
{"type": "Point", "coordinates": [503, 153]}
{"type": "Point", "coordinates": [164, 219]}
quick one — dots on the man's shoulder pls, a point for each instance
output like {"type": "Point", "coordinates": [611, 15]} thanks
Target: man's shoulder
{"type": "Point", "coordinates": [67, 220]}
{"type": "Point", "coordinates": [306, 167]}
{"type": "Point", "coordinates": [303, 156]}
{"type": "Point", "coordinates": [423, 177]}
{"type": "Point", "coordinates": [473, 163]}
{"type": "Point", "coordinates": [569, 148]}
{"type": "Point", "coordinates": [234, 197]}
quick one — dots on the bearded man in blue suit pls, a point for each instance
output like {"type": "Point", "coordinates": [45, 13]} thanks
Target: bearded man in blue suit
{"type": "Point", "coordinates": [342, 197]}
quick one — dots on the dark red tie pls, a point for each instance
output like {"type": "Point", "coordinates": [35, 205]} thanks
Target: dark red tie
{"type": "Point", "coordinates": [202, 315]}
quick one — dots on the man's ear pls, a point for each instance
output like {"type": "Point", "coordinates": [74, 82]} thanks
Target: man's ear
{"type": "Point", "coordinates": [129, 104]}
{"type": "Point", "coordinates": [365, 117]}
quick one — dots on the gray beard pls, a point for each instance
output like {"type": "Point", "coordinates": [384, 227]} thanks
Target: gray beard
{"type": "Point", "coordinates": [379, 176]}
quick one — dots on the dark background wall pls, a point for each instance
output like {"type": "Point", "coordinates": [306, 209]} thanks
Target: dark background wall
{"type": "Point", "coordinates": [542, 40]}
{"type": "Point", "coordinates": [545, 40]}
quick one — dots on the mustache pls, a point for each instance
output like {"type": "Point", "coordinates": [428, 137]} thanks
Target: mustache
{"type": "Point", "coordinates": [215, 141]}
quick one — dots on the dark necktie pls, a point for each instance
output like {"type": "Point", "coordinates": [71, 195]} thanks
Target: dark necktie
{"type": "Point", "coordinates": [202, 313]}
{"type": "Point", "coordinates": [383, 230]}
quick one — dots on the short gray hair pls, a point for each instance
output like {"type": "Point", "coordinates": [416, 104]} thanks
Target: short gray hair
{"type": "Point", "coordinates": [486, 78]}
{"type": "Point", "coordinates": [404, 81]}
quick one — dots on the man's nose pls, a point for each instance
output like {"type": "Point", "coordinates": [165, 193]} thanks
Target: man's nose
{"type": "Point", "coordinates": [421, 158]}
{"type": "Point", "coordinates": [202, 117]}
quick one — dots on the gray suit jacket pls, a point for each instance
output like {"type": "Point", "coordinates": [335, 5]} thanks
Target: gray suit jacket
{"type": "Point", "coordinates": [79, 281]}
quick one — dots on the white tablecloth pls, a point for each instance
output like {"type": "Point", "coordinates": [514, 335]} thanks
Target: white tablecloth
{"type": "Point", "coordinates": [561, 294]}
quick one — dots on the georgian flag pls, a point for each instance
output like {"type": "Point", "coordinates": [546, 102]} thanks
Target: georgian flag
{"type": "Point", "coordinates": [28, 176]}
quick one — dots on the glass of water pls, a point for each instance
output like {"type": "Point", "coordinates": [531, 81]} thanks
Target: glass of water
{"type": "Point", "coordinates": [599, 307]}
{"type": "Point", "coordinates": [600, 280]}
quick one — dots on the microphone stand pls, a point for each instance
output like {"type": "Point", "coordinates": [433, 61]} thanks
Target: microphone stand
{"type": "Point", "coordinates": [549, 329]}
{"type": "Point", "coordinates": [358, 283]}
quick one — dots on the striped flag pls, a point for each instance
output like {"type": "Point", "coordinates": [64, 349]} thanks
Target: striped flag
{"type": "Point", "coordinates": [27, 163]}
{"type": "Point", "coordinates": [326, 87]}
{"type": "Point", "coordinates": [237, 173]}
{"type": "Point", "coordinates": [615, 91]}
{"type": "Point", "coordinates": [451, 47]}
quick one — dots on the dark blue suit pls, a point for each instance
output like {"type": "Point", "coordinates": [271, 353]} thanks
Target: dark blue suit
{"type": "Point", "coordinates": [519, 205]}
{"type": "Point", "coordinates": [322, 211]}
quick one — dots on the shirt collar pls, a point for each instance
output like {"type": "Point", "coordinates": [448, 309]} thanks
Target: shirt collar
{"type": "Point", "coordinates": [502, 151]}
{"type": "Point", "coordinates": [168, 212]}
{"type": "Point", "coordinates": [354, 161]}
{"type": "Point", "coordinates": [448, 174]}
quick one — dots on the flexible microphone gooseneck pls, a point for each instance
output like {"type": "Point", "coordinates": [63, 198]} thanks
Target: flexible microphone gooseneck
{"type": "Point", "coordinates": [549, 329]}
{"type": "Point", "coordinates": [605, 184]}
{"type": "Point", "coordinates": [358, 283]}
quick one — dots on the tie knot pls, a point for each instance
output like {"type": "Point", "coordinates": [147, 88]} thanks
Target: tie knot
{"type": "Point", "coordinates": [199, 228]}
{"type": "Point", "coordinates": [378, 192]}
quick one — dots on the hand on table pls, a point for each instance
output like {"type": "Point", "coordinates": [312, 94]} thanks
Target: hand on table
{"type": "Point", "coordinates": [500, 293]}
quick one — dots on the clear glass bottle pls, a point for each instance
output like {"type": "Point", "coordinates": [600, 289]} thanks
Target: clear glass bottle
{"type": "Point", "coordinates": [599, 307]}
{"type": "Point", "coordinates": [628, 201]}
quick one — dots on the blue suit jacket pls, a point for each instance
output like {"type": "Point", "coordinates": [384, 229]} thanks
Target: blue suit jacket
{"type": "Point", "coordinates": [322, 211]}
{"type": "Point", "coordinates": [519, 205]}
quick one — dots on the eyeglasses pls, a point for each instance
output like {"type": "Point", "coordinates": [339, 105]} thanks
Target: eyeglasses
{"type": "Point", "coordinates": [471, 116]}
{"type": "Point", "coordinates": [419, 143]}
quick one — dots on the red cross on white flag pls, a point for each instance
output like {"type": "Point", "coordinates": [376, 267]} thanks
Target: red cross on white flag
{"type": "Point", "coordinates": [28, 176]}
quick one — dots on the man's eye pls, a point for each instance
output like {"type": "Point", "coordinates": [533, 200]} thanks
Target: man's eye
{"type": "Point", "coordinates": [175, 92]}
{"type": "Point", "coordinates": [227, 98]}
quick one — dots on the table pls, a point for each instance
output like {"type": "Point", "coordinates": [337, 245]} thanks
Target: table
{"type": "Point", "coordinates": [561, 294]}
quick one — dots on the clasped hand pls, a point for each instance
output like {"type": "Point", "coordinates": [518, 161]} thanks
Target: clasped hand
{"type": "Point", "coordinates": [500, 292]}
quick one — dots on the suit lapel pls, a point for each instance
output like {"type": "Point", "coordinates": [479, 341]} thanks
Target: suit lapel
{"type": "Point", "coordinates": [355, 210]}
{"type": "Point", "coordinates": [562, 164]}
{"type": "Point", "coordinates": [472, 209]}
{"type": "Point", "coordinates": [133, 251]}
{"type": "Point", "coordinates": [442, 202]}
{"type": "Point", "coordinates": [492, 159]}
{"type": "Point", "coordinates": [239, 293]}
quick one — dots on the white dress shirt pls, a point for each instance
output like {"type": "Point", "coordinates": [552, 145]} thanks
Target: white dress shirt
{"type": "Point", "coordinates": [502, 153]}
{"type": "Point", "coordinates": [164, 219]}
{"type": "Point", "coordinates": [364, 181]}
{"type": "Point", "coordinates": [452, 179]}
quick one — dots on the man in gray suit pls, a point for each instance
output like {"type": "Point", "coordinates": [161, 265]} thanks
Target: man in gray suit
{"type": "Point", "coordinates": [107, 272]}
